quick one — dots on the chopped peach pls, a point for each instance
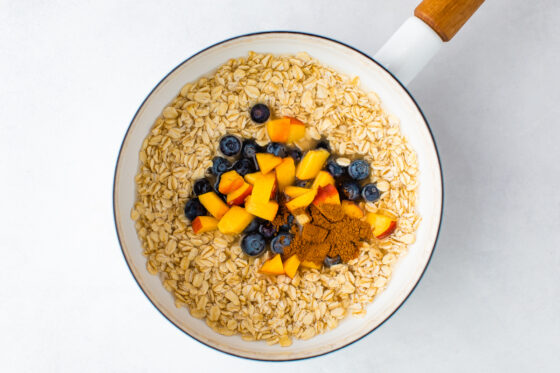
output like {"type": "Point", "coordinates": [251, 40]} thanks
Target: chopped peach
{"type": "Point", "coordinates": [262, 189]}
{"type": "Point", "coordinates": [291, 265]}
{"type": "Point", "coordinates": [273, 266]}
{"type": "Point", "coordinates": [322, 179]}
{"type": "Point", "coordinates": [352, 210]}
{"type": "Point", "coordinates": [311, 164]}
{"type": "Point", "coordinates": [250, 178]}
{"type": "Point", "coordinates": [295, 191]}
{"type": "Point", "coordinates": [302, 201]}
{"type": "Point", "coordinates": [297, 130]}
{"type": "Point", "coordinates": [382, 225]}
{"type": "Point", "coordinates": [237, 197]}
{"type": "Point", "coordinates": [278, 129]}
{"type": "Point", "coordinates": [309, 264]}
{"type": "Point", "coordinates": [235, 220]}
{"type": "Point", "coordinates": [327, 194]}
{"type": "Point", "coordinates": [203, 224]}
{"type": "Point", "coordinates": [214, 204]}
{"type": "Point", "coordinates": [286, 173]}
{"type": "Point", "coordinates": [266, 211]}
{"type": "Point", "coordinates": [230, 181]}
{"type": "Point", "coordinates": [267, 162]}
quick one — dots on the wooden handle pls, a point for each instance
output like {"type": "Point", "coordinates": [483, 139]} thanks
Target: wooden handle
{"type": "Point", "coordinates": [446, 17]}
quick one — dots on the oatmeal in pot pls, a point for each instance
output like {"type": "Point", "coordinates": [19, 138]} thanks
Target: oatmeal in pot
{"type": "Point", "coordinates": [274, 197]}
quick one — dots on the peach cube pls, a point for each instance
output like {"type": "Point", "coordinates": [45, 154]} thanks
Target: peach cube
{"type": "Point", "coordinates": [278, 129]}
{"type": "Point", "coordinates": [203, 224]}
{"type": "Point", "coordinates": [251, 178]}
{"type": "Point", "coordinates": [266, 211]}
{"type": "Point", "coordinates": [263, 187]}
{"type": "Point", "coordinates": [237, 197]}
{"type": "Point", "coordinates": [295, 191]}
{"type": "Point", "coordinates": [230, 181]}
{"type": "Point", "coordinates": [297, 130]}
{"type": "Point", "coordinates": [322, 179]}
{"type": "Point", "coordinates": [353, 210]}
{"type": "Point", "coordinates": [311, 164]}
{"type": "Point", "coordinates": [286, 173]}
{"type": "Point", "coordinates": [267, 162]}
{"type": "Point", "coordinates": [291, 265]}
{"type": "Point", "coordinates": [327, 194]}
{"type": "Point", "coordinates": [382, 225]}
{"type": "Point", "coordinates": [273, 266]}
{"type": "Point", "coordinates": [235, 220]}
{"type": "Point", "coordinates": [302, 201]}
{"type": "Point", "coordinates": [214, 204]}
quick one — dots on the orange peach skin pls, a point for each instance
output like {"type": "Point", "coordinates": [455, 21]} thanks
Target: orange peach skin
{"type": "Point", "coordinates": [202, 224]}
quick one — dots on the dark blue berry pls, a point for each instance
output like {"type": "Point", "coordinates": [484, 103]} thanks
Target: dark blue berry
{"type": "Point", "coordinates": [328, 262]}
{"type": "Point", "coordinates": [335, 169]}
{"type": "Point", "coordinates": [202, 186]}
{"type": "Point", "coordinates": [194, 208]}
{"type": "Point", "coordinates": [370, 193]}
{"type": "Point", "coordinates": [244, 166]}
{"type": "Point", "coordinates": [260, 113]}
{"type": "Point", "coordinates": [350, 190]}
{"type": "Point", "coordinates": [255, 223]}
{"type": "Point", "coordinates": [296, 154]}
{"type": "Point", "coordinates": [249, 148]}
{"type": "Point", "coordinates": [358, 169]}
{"type": "Point", "coordinates": [286, 227]}
{"type": "Point", "coordinates": [220, 165]}
{"type": "Point", "coordinates": [253, 244]}
{"type": "Point", "coordinates": [230, 145]}
{"type": "Point", "coordinates": [323, 144]}
{"type": "Point", "coordinates": [279, 242]}
{"type": "Point", "coordinates": [277, 149]}
{"type": "Point", "coordinates": [267, 230]}
{"type": "Point", "coordinates": [301, 183]}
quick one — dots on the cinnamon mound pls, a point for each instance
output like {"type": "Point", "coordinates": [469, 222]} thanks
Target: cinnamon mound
{"type": "Point", "coordinates": [330, 232]}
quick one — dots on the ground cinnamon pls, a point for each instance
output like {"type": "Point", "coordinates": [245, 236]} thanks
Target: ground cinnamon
{"type": "Point", "coordinates": [331, 233]}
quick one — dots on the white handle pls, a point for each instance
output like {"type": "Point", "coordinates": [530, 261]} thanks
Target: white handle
{"type": "Point", "coordinates": [410, 48]}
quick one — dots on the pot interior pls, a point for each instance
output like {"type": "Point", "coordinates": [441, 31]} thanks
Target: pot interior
{"type": "Point", "coordinates": [395, 100]}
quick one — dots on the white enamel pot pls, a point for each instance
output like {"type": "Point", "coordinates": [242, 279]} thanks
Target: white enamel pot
{"type": "Point", "coordinates": [394, 65]}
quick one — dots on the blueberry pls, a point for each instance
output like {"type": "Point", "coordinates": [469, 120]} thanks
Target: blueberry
{"type": "Point", "coordinates": [194, 208]}
{"type": "Point", "coordinates": [253, 244]}
{"type": "Point", "coordinates": [295, 153]}
{"type": "Point", "coordinates": [332, 261]}
{"type": "Point", "coordinates": [350, 190]}
{"type": "Point", "coordinates": [244, 166]}
{"type": "Point", "coordinates": [220, 165]}
{"type": "Point", "coordinates": [323, 144]}
{"type": "Point", "coordinates": [253, 226]}
{"type": "Point", "coordinates": [370, 193]}
{"type": "Point", "coordinates": [249, 148]}
{"type": "Point", "coordinates": [230, 145]}
{"type": "Point", "coordinates": [267, 230]}
{"type": "Point", "coordinates": [335, 169]}
{"type": "Point", "coordinates": [260, 113]}
{"type": "Point", "coordinates": [358, 169]}
{"type": "Point", "coordinates": [277, 149]}
{"type": "Point", "coordinates": [286, 227]}
{"type": "Point", "coordinates": [279, 242]}
{"type": "Point", "coordinates": [301, 183]}
{"type": "Point", "coordinates": [202, 186]}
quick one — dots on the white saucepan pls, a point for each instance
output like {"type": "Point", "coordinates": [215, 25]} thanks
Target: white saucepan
{"type": "Point", "coordinates": [398, 61]}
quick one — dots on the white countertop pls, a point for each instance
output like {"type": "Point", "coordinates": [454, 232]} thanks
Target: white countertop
{"type": "Point", "coordinates": [71, 78]}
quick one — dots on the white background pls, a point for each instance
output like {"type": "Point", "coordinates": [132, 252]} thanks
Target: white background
{"type": "Point", "coordinates": [72, 75]}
